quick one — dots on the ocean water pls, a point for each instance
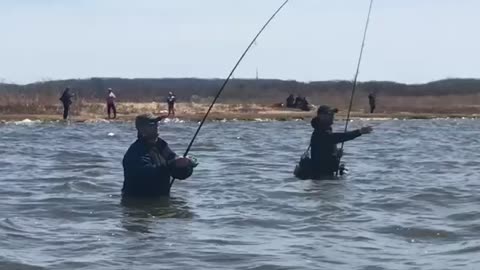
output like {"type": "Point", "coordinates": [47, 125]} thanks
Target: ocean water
{"type": "Point", "coordinates": [410, 201]}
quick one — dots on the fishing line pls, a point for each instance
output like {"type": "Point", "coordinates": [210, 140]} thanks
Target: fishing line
{"type": "Point", "coordinates": [228, 78]}
{"type": "Point", "coordinates": [358, 70]}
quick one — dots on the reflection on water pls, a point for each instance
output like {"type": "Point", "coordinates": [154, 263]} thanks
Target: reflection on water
{"type": "Point", "coordinates": [138, 214]}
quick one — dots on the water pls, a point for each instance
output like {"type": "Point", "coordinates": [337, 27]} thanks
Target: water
{"type": "Point", "coordinates": [410, 200]}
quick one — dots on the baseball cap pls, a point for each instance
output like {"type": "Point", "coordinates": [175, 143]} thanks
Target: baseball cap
{"type": "Point", "coordinates": [146, 120]}
{"type": "Point", "coordinates": [324, 109]}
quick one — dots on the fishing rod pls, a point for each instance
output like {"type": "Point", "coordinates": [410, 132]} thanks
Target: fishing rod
{"type": "Point", "coordinates": [228, 79]}
{"type": "Point", "coordinates": [358, 70]}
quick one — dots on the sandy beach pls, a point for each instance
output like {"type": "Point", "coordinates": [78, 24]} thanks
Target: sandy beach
{"type": "Point", "coordinates": [195, 112]}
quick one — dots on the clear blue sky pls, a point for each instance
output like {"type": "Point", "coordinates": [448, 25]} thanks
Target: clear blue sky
{"type": "Point", "coordinates": [409, 41]}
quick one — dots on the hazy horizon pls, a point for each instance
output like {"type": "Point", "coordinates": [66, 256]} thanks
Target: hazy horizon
{"type": "Point", "coordinates": [234, 78]}
{"type": "Point", "coordinates": [412, 41]}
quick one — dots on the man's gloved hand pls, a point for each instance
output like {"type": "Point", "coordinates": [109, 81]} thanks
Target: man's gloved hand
{"type": "Point", "coordinates": [182, 167]}
{"type": "Point", "coordinates": [194, 162]}
{"type": "Point", "coordinates": [366, 130]}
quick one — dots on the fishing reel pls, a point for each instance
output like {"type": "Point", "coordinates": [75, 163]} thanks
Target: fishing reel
{"type": "Point", "coordinates": [182, 167]}
{"type": "Point", "coordinates": [342, 170]}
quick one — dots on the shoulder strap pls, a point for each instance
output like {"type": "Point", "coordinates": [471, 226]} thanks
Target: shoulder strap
{"type": "Point", "coordinates": [306, 153]}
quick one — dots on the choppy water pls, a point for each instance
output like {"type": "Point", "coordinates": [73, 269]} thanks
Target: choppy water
{"type": "Point", "coordinates": [410, 201]}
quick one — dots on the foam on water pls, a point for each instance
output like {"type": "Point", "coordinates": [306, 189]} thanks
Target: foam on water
{"type": "Point", "coordinates": [97, 120]}
{"type": "Point", "coordinates": [26, 122]}
{"type": "Point", "coordinates": [173, 120]}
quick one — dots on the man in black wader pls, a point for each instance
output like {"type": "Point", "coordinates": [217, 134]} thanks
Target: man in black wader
{"type": "Point", "coordinates": [149, 163]}
{"type": "Point", "coordinates": [66, 100]}
{"type": "Point", "coordinates": [325, 156]}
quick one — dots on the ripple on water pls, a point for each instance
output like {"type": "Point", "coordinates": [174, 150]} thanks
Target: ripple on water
{"type": "Point", "coordinates": [414, 234]}
{"type": "Point", "coordinates": [409, 200]}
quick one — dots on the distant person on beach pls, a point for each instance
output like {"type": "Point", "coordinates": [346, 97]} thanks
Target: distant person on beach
{"type": "Point", "coordinates": [291, 101]}
{"type": "Point", "coordinates": [372, 101]}
{"type": "Point", "coordinates": [304, 106]}
{"type": "Point", "coordinates": [111, 103]}
{"type": "Point", "coordinates": [66, 100]}
{"type": "Point", "coordinates": [298, 102]}
{"type": "Point", "coordinates": [149, 163]}
{"type": "Point", "coordinates": [171, 103]}
{"type": "Point", "coordinates": [325, 156]}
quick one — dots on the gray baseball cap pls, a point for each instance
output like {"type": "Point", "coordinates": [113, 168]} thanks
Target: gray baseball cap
{"type": "Point", "coordinates": [324, 109]}
{"type": "Point", "coordinates": [147, 120]}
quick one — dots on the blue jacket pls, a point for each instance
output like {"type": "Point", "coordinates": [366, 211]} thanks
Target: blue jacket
{"type": "Point", "coordinates": [145, 175]}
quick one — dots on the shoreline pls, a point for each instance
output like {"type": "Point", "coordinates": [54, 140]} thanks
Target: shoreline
{"type": "Point", "coordinates": [235, 116]}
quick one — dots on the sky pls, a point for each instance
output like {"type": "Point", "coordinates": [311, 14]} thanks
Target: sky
{"type": "Point", "coordinates": [408, 41]}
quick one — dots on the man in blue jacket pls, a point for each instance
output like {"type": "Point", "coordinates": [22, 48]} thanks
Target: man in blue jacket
{"type": "Point", "coordinates": [149, 163]}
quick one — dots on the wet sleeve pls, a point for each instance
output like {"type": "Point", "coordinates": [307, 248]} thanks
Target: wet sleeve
{"type": "Point", "coordinates": [347, 136]}
{"type": "Point", "coordinates": [168, 154]}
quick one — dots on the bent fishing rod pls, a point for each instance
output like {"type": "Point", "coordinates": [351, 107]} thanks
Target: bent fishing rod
{"type": "Point", "coordinates": [228, 79]}
{"type": "Point", "coordinates": [354, 87]}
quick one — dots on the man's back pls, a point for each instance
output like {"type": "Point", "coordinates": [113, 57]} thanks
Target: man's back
{"type": "Point", "coordinates": [324, 153]}
{"type": "Point", "coordinates": [66, 98]}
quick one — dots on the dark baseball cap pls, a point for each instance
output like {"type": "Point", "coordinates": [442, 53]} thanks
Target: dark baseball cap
{"type": "Point", "coordinates": [324, 109]}
{"type": "Point", "coordinates": [147, 120]}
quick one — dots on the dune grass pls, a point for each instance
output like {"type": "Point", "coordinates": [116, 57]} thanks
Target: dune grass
{"type": "Point", "coordinates": [47, 107]}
